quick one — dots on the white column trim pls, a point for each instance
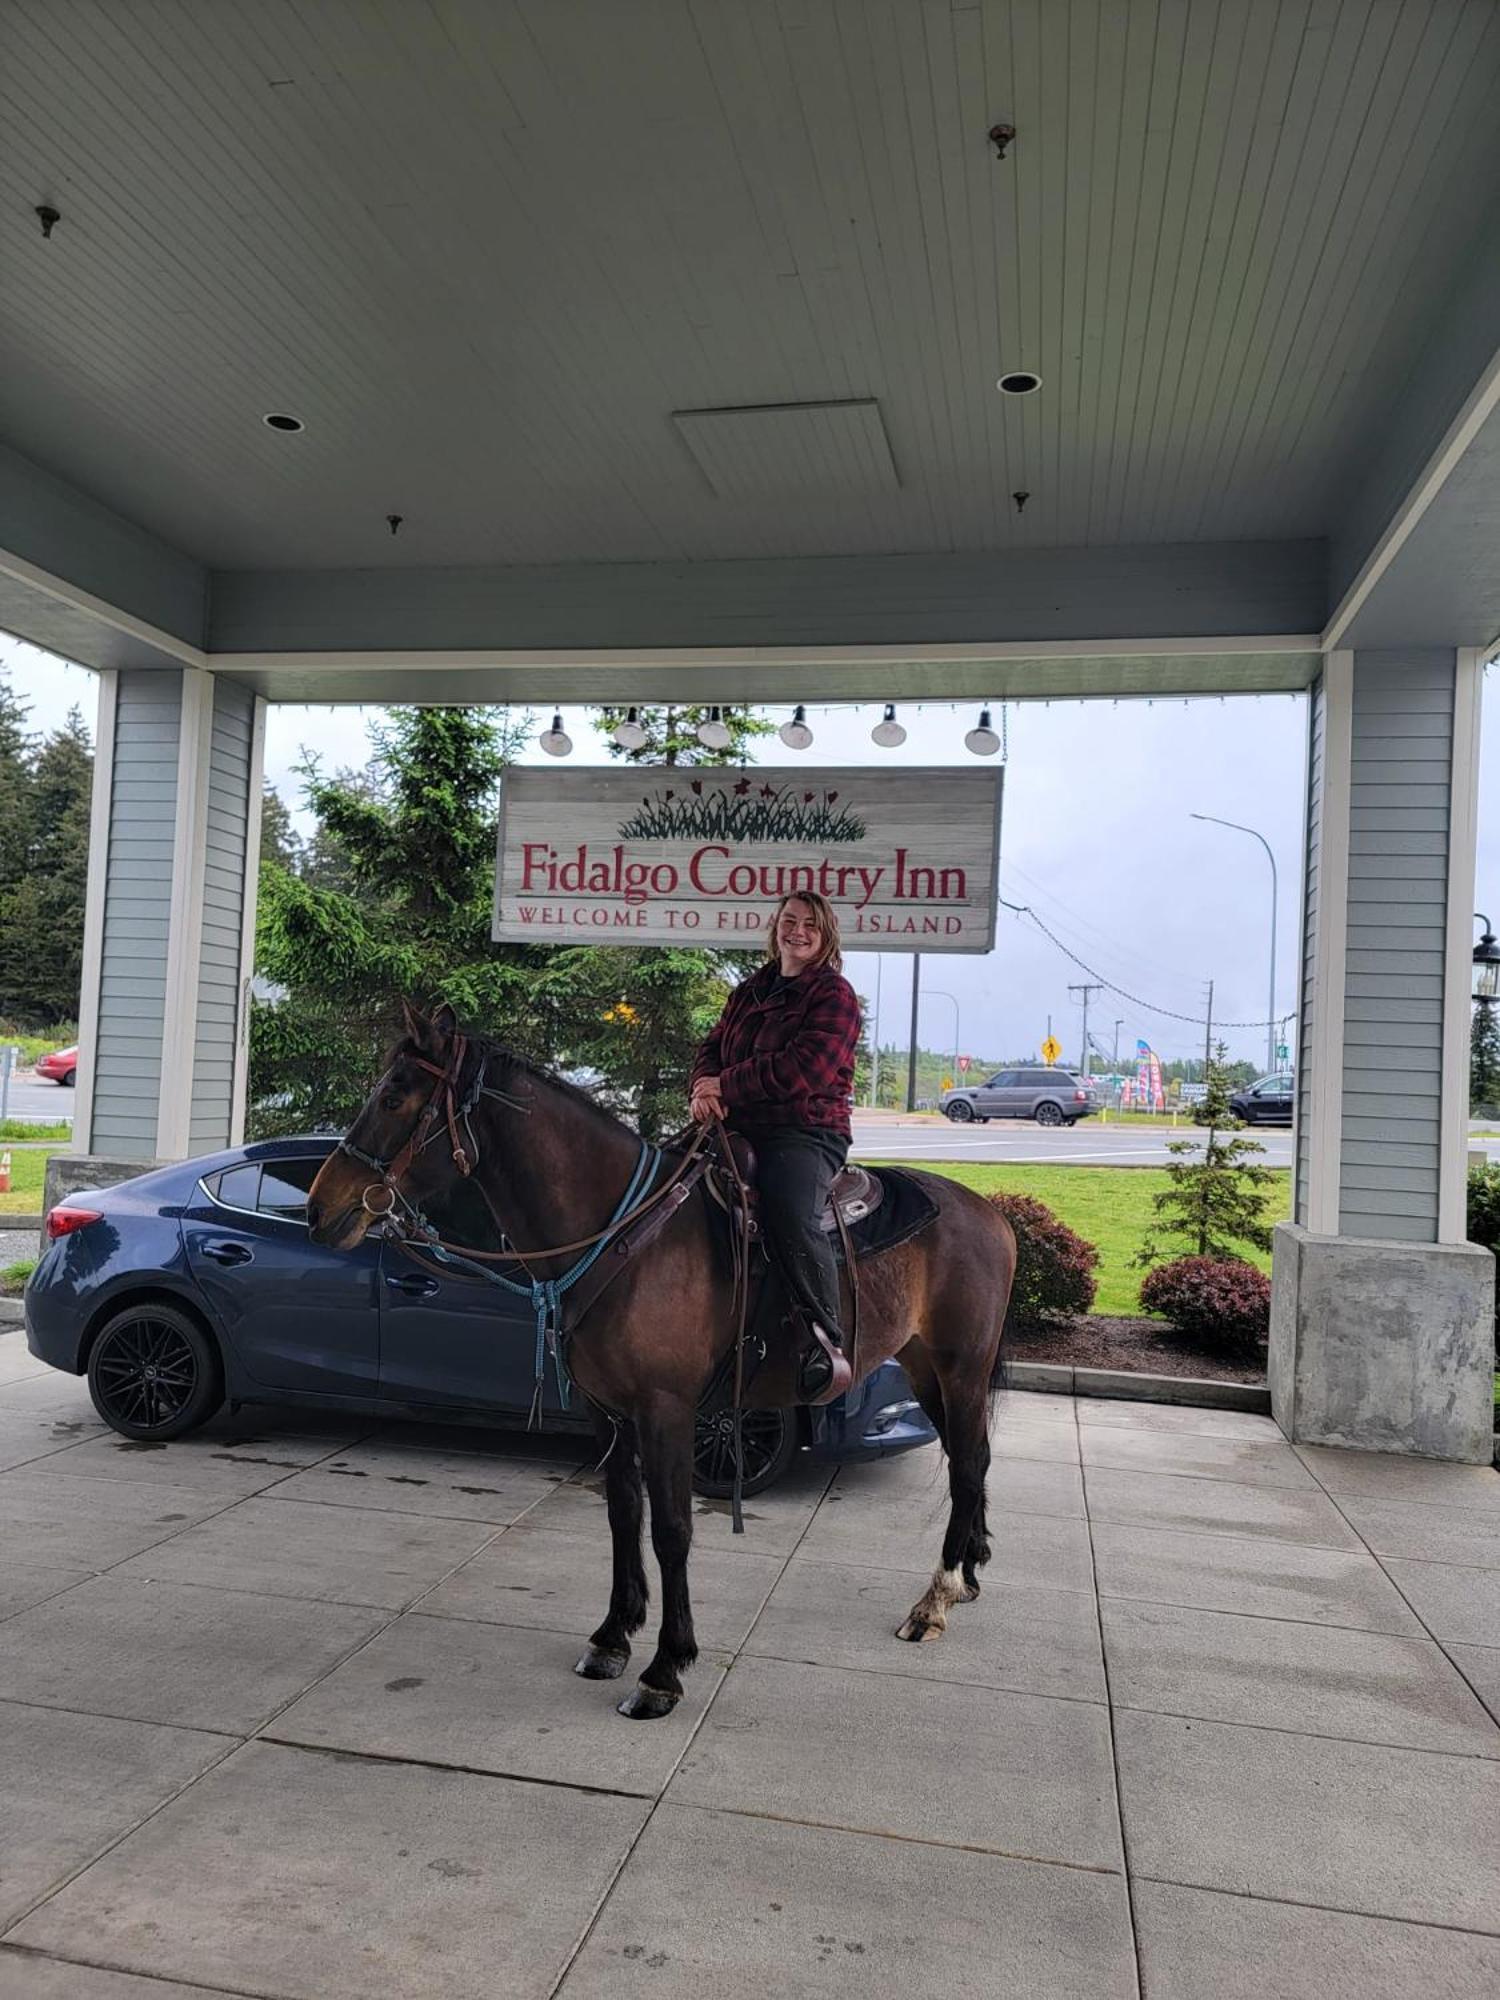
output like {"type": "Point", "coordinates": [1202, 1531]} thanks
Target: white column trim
{"type": "Point", "coordinates": [93, 912]}
{"type": "Point", "coordinates": [185, 922]}
{"type": "Point", "coordinates": [253, 804]}
{"type": "Point", "coordinates": [1325, 1111]}
{"type": "Point", "coordinates": [1463, 833]}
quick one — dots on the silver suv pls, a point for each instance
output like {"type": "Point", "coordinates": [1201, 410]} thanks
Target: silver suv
{"type": "Point", "coordinates": [1050, 1096]}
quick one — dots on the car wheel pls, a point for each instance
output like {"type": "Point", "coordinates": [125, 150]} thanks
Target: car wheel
{"type": "Point", "coordinates": [770, 1445]}
{"type": "Point", "coordinates": [1048, 1114]}
{"type": "Point", "coordinates": [1070, 1123]}
{"type": "Point", "coordinates": [154, 1373]}
{"type": "Point", "coordinates": [961, 1111]}
{"type": "Point", "coordinates": [70, 1079]}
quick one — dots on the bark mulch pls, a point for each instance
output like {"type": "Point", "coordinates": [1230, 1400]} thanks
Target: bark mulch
{"type": "Point", "coordinates": [1148, 1346]}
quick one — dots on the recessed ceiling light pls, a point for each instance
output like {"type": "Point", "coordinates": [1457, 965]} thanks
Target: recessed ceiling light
{"type": "Point", "coordinates": [278, 421]}
{"type": "Point", "coordinates": [1019, 382]}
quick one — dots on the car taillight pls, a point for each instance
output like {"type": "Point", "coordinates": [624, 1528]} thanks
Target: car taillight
{"type": "Point", "coordinates": [1080, 1097]}
{"type": "Point", "coordinates": [62, 1220]}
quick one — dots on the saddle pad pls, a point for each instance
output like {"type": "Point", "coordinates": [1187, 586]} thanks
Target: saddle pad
{"type": "Point", "coordinates": [906, 1210]}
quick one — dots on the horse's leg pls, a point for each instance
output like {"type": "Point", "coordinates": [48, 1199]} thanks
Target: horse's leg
{"type": "Point", "coordinates": [666, 1432]}
{"type": "Point", "coordinates": [964, 1390]}
{"type": "Point", "coordinates": [609, 1648]}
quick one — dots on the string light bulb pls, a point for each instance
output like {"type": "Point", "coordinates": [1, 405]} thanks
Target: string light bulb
{"type": "Point", "coordinates": [556, 742]}
{"type": "Point", "coordinates": [795, 734]}
{"type": "Point", "coordinates": [982, 740]}
{"type": "Point", "coordinates": [888, 732]}
{"type": "Point", "coordinates": [714, 734]}
{"type": "Point", "coordinates": [629, 733]}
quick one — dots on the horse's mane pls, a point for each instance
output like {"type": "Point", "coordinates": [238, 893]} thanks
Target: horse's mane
{"type": "Point", "coordinates": [495, 1053]}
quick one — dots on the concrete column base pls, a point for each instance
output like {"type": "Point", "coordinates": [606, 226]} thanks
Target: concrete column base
{"type": "Point", "coordinates": [68, 1172]}
{"type": "Point", "coordinates": [1383, 1346]}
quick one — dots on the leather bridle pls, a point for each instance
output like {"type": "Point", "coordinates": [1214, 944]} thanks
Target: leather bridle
{"type": "Point", "coordinates": [445, 1110]}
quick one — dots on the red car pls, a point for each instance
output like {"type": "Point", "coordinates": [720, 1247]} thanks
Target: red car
{"type": "Point", "coordinates": [60, 1067]}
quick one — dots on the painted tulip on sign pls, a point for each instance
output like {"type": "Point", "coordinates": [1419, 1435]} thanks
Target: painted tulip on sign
{"type": "Point", "coordinates": [908, 859]}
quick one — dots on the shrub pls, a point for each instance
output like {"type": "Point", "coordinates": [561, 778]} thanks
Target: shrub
{"type": "Point", "coordinates": [1484, 1220]}
{"type": "Point", "coordinates": [1221, 1301]}
{"type": "Point", "coordinates": [1054, 1267]}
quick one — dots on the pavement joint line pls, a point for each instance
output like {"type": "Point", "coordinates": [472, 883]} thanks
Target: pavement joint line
{"type": "Point", "coordinates": [1271, 1617]}
{"type": "Point", "coordinates": [1114, 1747]}
{"type": "Point", "coordinates": [53, 1957]}
{"type": "Point", "coordinates": [71, 1875]}
{"type": "Point", "coordinates": [1216, 1478]}
{"type": "Point", "coordinates": [390, 1761]}
{"type": "Point", "coordinates": [925, 1680]}
{"type": "Point", "coordinates": [1480, 1757]}
{"type": "Point", "coordinates": [906, 1839]}
{"type": "Point", "coordinates": [1328, 1909]}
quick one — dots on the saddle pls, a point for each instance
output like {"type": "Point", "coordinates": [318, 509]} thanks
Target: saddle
{"type": "Point", "coordinates": [855, 1193]}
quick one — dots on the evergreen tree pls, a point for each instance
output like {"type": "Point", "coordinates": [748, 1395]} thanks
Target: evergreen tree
{"type": "Point", "coordinates": [45, 804]}
{"type": "Point", "coordinates": [17, 750]}
{"type": "Point", "coordinates": [279, 840]}
{"type": "Point", "coordinates": [1217, 1197]}
{"type": "Point", "coordinates": [1484, 1056]}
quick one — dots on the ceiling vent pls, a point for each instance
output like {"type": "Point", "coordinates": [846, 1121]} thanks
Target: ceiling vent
{"type": "Point", "coordinates": [782, 451]}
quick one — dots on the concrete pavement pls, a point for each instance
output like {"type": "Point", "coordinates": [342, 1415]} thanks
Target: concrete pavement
{"type": "Point", "coordinates": [288, 1712]}
{"type": "Point", "coordinates": [1089, 1144]}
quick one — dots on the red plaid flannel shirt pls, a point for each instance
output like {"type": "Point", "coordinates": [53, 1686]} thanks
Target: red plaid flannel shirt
{"type": "Point", "coordinates": [784, 1054]}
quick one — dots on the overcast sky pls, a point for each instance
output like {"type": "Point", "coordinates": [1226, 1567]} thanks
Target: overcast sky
{"type": "Point", "coordinates": [1096, 838]}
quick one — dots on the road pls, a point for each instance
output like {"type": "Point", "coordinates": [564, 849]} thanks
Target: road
{"type": "Point", "coordinates": [1086, 1145]}
{"type": "Point", "coordinates": [42, 1103]}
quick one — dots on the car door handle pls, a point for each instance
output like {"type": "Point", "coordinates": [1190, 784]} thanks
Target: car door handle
{"type": "Point", "coordinates": [228, 1253]}
{"type": "Point", "coordinates": [412, 1287]}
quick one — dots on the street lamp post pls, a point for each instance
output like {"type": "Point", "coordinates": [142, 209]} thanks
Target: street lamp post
{"type": "Point", "coordinates": [937, 993]}
{"type": "Point", "coordinates": [1486, 963]}
{"type": "Point", "coordinates": [1213, 820]}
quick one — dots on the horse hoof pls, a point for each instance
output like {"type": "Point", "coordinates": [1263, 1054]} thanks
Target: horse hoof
{"type": "Point", "coordinates": [647, 1704]}
{"type": "Point", "coordinates": [601, 1666]}
{"type": "Point", "coordinates": [971, 1591]}
{"type": "Point", "coordinates": [919, 1630]}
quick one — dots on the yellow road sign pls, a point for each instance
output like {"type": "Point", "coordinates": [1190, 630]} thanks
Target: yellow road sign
{"type": "Point", "coordinates": [1051, 1049]}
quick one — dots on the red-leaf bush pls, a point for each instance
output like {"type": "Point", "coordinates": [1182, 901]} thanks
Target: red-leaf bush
{"type": "Point", "coordinates": [1054, 1267]}
{"type": "Point", "coordinates": [1221, 1301]}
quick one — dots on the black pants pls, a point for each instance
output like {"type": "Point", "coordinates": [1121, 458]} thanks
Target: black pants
{"type": "Point", "coordinates": [797, 1166]}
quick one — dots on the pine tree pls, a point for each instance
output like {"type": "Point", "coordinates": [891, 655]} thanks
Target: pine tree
{"type": "Point", "coordinates": [1218, 1196]}
{"type": "Point", "coordinates": [45, 804]}
{"type": "Point", "coordinates": [17, 753]}
{"type": "Point", "coordinates": [279, 840]}
{"type": "Point", "coordinates": [1484, 1056]}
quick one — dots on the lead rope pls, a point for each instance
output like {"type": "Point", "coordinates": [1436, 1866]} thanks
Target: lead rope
{"type": "Point", "coordinates": [739, 1265]}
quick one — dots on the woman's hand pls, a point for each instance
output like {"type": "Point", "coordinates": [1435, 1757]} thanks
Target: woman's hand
{"type": "Point", "coordinates": [708, 1100]}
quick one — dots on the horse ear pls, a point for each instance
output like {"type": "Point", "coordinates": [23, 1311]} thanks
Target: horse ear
{"type": "Point", "coordinates": [444, 1023]}
{"type": "Point", "coordinates": [414, 1022]}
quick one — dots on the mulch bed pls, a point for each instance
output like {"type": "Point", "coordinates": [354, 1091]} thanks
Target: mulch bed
{"type": "Point", "coordinates": [1147, 1346]}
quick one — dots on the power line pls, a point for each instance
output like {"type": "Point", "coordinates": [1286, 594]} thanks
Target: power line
{"type": "Point", "coordinates": [1166, 1013]}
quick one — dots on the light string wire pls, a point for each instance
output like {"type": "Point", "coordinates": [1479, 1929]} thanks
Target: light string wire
{"type": "Point", "coordinates": [1147, 1006]}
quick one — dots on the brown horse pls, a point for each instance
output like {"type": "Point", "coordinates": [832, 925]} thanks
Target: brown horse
{"type": "Point", "coordinates": [554, 1166]}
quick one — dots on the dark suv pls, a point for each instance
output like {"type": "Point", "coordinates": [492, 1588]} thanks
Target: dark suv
{"type": "Point", "coordinates": [1050, 1096]}
{"type": "Point", "coordinates": [1267, 1101]}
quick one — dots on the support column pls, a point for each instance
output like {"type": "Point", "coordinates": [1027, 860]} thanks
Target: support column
{"type": "Point", "coordinates": [169, 929]}
{"type": "Point", "coordinates": [1382, 1331]}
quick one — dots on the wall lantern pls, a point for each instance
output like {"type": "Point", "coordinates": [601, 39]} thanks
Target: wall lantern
{"type": "Point", "coordinates": [1486, 962]}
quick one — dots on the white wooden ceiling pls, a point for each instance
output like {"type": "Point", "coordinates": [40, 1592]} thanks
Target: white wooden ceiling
{"type": "Point", "coordinates": [486, 249]}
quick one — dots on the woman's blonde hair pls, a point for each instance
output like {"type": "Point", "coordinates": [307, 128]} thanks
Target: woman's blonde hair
{"type": "Point", "coordinates": [825, 919]}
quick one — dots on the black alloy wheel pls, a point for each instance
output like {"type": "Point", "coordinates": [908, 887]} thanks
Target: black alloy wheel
{"type": "Point", "coordinates": [154, 1374]}
{"type": "Point", "coordinates": [770, 1445]}
{"type": "Point", "coordinates": [1048, 1113]}
{"type": "Point", "coordinates": [961, 1111]}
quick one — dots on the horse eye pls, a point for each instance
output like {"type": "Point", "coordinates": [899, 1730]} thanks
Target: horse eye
{"type": "Point", "coordinates": [392, 1101]}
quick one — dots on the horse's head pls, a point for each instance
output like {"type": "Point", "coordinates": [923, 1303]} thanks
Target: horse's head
{"type": "Point", "coordinates": [386, 1154]}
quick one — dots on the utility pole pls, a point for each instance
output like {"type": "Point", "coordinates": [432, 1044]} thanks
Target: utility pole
{"type": "Point", "coordinates": [1087, 992]}
{"type": "Point", "coordinates": [1118, 1025]}
{"type": "Point", "coordinates": [875, 1043]}
{"type": "Point", "coordinates": [1208, 1038]}
{"type": "Point", "coordinates": [911, 1060]}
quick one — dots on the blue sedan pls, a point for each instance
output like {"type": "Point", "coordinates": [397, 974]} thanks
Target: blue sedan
{"type": "Point", "coordinates": [199, 1282]}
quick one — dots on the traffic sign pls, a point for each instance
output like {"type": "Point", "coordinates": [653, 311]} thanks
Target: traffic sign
{"type": "Point", "coordinates": [1282, 1052]}
{"type": "Point", "coordinates": [963, 1062]}
{"type": "Point", "coordinates": [1051, 1049]}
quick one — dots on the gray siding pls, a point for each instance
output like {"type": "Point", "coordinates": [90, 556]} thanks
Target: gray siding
{"type": "Point", "coordinates": [223, 909]}
{"type": "Point", "coordinates": [1317, 724]}
{"type": "Point", "coordinates": [137, 904]}
{"type": "Point", "coordinates": [1400, 803]}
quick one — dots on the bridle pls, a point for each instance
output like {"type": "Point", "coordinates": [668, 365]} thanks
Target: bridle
{"type": "Point", "coordinates": [445, 1110]}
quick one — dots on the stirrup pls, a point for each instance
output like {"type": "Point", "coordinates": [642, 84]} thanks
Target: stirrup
{"type": "Point", "coordinates": [824, 1373]}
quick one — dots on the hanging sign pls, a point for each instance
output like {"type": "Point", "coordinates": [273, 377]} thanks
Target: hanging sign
{"type": "Point", "coordinates": [649, 854]}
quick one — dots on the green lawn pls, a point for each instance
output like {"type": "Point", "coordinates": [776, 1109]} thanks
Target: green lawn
{"type": "Point", "coordinates": [28, 1167]}
{"type": "Point", "coordinates": [1109, 1207]}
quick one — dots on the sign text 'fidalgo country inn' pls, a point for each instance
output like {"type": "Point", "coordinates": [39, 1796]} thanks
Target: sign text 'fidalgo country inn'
{"type": "Point", "coordinates": [654, 854]}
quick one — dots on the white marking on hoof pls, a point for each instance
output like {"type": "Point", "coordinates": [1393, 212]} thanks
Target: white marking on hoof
{"type": "Point", "coordinates": [929, 1615]}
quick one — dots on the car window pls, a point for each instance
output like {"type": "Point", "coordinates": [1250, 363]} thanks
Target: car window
{"type": "Point", "coordinates": [284, 1185]}
{"type": "Point", "coordinates": [238, 1186]}
{"type": "Point", "coordinates": [997, 1081]}
{"type": "Point", "coordinates": [1042, 1079]}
